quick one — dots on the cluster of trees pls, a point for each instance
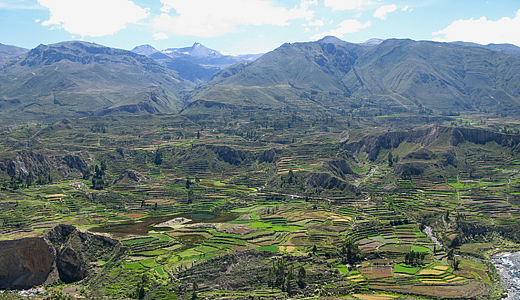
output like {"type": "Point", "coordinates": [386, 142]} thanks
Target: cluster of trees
{"type": "Point", "coordinates": [19, 181]}
{"type": "Point", "coordinates": [392, 159]}
{"type": "Point", "coordinates": [283, 276]}
{"type": "Point", "coordinates": [399, 222]}
{"type": "Point", "coordinates": [414, 258]}
{"type": "Point", "coordinates": [98, 181]}
{"type": "Point", "coordinates": [351, 253]}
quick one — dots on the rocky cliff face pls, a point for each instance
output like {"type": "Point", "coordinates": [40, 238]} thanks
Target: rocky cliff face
{"type": "Point", "coordinates": [425, 137]}
{"type": "Point", "coordinates": [25, 263]}
{"type": "Point", "coordinates": [65, 253]}
{"type": "Point", "coordinates": [27, 162]}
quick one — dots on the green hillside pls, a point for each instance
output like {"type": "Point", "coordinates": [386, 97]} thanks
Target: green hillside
{"type": "Point", "coordinates": [75, 79]}
{"type": "Point", "coordinates": [410, 75]}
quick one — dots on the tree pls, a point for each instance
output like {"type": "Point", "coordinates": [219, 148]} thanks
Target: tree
{"type": "Point", "coordinates": [352, 252]}
{"type": "Point", "coordinates": [302, 275]}
{"type": "Point", "coordinates": [188, 183]}
{"type": "Point", "coordinates": [414, 258]}
{"type": "Point", "coordinates": [456, 264]}
{"type": "Point", "coordinates": [455, 243]}
{"type": "Point", "coordinates": [390, 159]}
{"type": "Point", "coordinates": [103, 167]}
{"type": "Point", "coordinates": [158, 160]}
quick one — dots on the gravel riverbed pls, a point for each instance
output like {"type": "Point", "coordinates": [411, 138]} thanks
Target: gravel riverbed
{"type": "Point", "coordinates": [508, 264]}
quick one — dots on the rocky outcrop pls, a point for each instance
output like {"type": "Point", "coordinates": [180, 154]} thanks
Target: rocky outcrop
{"type": "Point", "coordinates": [228, 154]}
{"type": "Point", "coordinates": [327, 181]}
{"type": "Point", "coordinates": [480, 136]}
{"type": "Point", "coordinates": [451, 136]}
{"type": "Point", "coordinates": [73, 162]}
{"type": "Point", "coordinates": [25, 263]}
{"type": "Point", "coordinates": [340, 168]}
{"type": "Point", "coordinates": [373, 144]}
{"type": "Point", "coordinates": [27, 162]}
{"type": "Point", "coordinates": [64, 253]}
{"type": "Point", "coordinates": [268, 156]}
{"type": "Point", "coordinates": [133, 176]}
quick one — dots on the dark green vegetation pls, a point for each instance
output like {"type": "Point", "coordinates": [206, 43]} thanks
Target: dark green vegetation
{"type": "Point", "coordinates": [328, 188]}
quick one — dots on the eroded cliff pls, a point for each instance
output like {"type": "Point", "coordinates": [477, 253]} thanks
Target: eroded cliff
{"type": "Point", "coordinates": [66, 253]}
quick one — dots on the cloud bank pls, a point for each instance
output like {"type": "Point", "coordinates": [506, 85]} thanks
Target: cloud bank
{"type": "Point", "coordinates": [210, 18]}
{"type": "Point", "coordinates": [93, 18]}
{"type": "Point", "coordinates": [482, 31]}
{"type": "Point", "coordinates": [345, 27]}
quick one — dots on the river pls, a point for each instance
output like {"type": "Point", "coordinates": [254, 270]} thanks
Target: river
{"type": "Point", "coordinates": [508, 265]}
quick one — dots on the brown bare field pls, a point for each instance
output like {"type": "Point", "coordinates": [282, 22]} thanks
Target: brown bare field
{"type": "Point", "coordinates": [132, 215]}
{"type": "Point", "coordinates": [181, 233]}
{"type": "Point", "coordinates": [372, 245]}
{"type": "Point", "coordinates": [55, 196]}
{"type": "Point", "coordinates": [236, 228]}
{"type": "Point", "coordinates": [368, 272]}
{"type": "Point", "coordinates": [374, 297]}
{"type": "Point", "coordinates": [431, 272]}
{"type": "Point", "coordinates": [287, 249]}
{"type": "Point", "coordinates": [396, 248]}
{"type": "Point", "coordinates": [381, 272]}
{"type": "Point", "coordinates": [300, 240]}
{"type": "Point", "coordinates": [441, 291]}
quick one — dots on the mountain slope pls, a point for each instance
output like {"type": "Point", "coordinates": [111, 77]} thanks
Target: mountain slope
{"type": "Point", "coordinates": [398, 73]}
{"type": "Point", "coordinates": [74, 79]}
{"type": "Point", "coordinates": [503, 48]}
{"type": "Point", "coordinates": [8, 53]}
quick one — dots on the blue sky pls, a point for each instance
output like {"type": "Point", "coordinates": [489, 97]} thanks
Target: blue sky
{"type": "Point", "coordinates": [254, 26]}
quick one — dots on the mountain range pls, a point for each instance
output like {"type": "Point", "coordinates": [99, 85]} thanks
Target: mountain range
{"type": "Point", "coordinates": [74, 79]}
{"type": "Point", "coordinates": [405, 75]}
{"type": "Point", "coordinates": [196, 63]}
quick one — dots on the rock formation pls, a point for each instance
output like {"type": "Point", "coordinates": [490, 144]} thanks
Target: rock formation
{"type": "Point", "coordinates": [66, 253]}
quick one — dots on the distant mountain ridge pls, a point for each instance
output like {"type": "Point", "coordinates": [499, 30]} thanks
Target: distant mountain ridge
{"type": "Point", "coordinates": [503, 48]}
{"type": "Point", "coordinates": [196, 63]}
{"type": "Point", "coordinates": [75, 79]}
{"type": "Point", "coordinates": [8, 52]}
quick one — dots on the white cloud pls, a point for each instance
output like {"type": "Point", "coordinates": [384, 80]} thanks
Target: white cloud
{"type": "Point", "coordinates": [345, 27]}
{"type": "Point", "coordinates": [315, 23]}
{"type": "Point", "coordinates": [210, 18]}
{"type": "Point", "coordinates": [93, 17]}
{"type": "Point", "coordinates": [384, 10]}
{"type": "Point", "coordinates": [482, 31]}
{"type": "Point", "coordinates": [306, 3]}
{"type": "Point", "coordinates": [37, 20]}
{"type": "Point", "coordinates": [405, 8]}
{"type": "Point", "coordinates": [160, 36]}
{"type": "Point", "coordinates": [344, 4]}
